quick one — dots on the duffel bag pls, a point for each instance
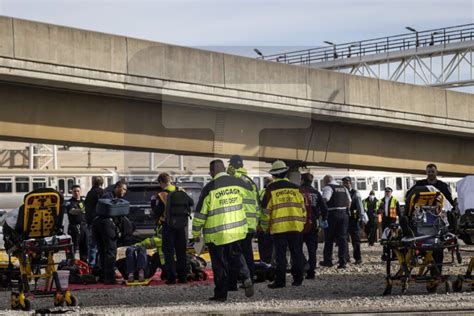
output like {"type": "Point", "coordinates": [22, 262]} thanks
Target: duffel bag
{"type": "Point", "coordinates": [112, 207]}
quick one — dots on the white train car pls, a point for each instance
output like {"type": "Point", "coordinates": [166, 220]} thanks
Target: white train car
{"type": "Point", "coordinates": [14, 184]}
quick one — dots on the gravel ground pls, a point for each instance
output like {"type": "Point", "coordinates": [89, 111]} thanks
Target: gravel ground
{"type": "Point", "coordinates": [355, 289]}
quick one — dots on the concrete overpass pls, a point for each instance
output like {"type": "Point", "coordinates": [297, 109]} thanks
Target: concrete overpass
{"type": "Point", "coordinates": [77, 87]}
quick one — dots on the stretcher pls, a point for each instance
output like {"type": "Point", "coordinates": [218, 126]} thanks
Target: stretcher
{"type": "Point", "coordinates": [413, 244]}
{"type": "Point", "coordinates": [40, 225]}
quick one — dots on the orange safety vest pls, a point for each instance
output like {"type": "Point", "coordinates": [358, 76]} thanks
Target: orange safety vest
{"type": "Point", "coordinates": [392, 208]}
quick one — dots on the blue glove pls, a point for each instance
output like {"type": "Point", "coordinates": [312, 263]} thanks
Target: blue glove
{"type": "Point", "coordinates": [324, 224]}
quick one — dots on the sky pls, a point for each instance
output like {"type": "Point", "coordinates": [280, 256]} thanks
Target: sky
{"type": "Point", "coordinates": [272, 26]}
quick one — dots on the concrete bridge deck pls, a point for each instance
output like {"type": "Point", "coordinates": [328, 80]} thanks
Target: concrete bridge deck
{"type": "Point", "coordinates": [71, 86]}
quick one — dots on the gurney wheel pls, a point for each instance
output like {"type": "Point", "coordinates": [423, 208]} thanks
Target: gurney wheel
{"type": "Point", "coordinates": [387, 291]}
{"type": "Point", "coordinates": [14, 301]}
{"type": "Point", "coordinates": [404, 288]}
{"type": "Point", "coordinates": [448, 286]}
{"type": "Point", "coordinates": [27, 305]}
{"type": "Point", "coordinates": [431, 287]}
{"type": "Point", "coordinates": [74, 301]}
{"type": "Point", "coordinates": [457, 285]}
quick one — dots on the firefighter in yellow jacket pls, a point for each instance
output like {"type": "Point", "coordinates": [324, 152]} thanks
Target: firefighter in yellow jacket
{"type": "Point", "coordinates": [221, 217]}
{"type": "Point", "coordinates": [251, 207]}
{"type": "Point", "coordinates": [284, 215]}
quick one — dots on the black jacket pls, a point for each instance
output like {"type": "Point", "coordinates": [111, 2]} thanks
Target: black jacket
{"type": "Point", "coordinates": [73, 204]}
{"type": "Point", "coordinates": [92, 198]}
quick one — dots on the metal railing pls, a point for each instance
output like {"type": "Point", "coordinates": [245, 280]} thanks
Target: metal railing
{"type": "Point", "coordinates": [413, 40]}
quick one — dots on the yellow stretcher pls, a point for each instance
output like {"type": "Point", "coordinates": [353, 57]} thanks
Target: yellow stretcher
{"type": "Point", "coordinates": [40, 219]}
{"type": "Point", "coordinates": [412, 244]}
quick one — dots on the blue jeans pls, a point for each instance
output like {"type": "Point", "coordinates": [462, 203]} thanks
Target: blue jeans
{"type": "Point", "coordinates": [91, 247]}
{"type": "Point", "coordinates": [136, 259]}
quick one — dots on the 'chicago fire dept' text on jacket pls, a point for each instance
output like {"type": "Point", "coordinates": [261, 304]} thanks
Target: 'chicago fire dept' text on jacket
{"type": "Point", "coordinates": [220, 212]}
{"type": "Point", "coordinates": [283, 208]}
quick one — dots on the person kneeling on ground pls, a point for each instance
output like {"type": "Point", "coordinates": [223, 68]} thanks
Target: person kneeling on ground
{"type": "Point", "coordinates": [138, 263]}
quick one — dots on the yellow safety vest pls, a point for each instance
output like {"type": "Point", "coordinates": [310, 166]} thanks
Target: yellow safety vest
{"type": "Point", "coordinates": [285, 209]}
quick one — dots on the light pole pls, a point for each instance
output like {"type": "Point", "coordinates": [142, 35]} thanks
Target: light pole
{"type": "Point", "coordinates": [432, 37]}
{"type": "Point", "coordinates": [256, 50]}
{"type": "Point", "coordinates": [417, 43]}
{"type": "Point", "coordinates": [350, 49]}
{"type": "Point", "coordinates": [334, 46]}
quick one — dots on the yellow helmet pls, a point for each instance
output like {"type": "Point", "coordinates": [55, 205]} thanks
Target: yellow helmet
{"type": "Point", "coordinates": [278, 167]}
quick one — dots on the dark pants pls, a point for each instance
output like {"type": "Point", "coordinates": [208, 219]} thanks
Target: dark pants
{"type": "Point", "coordinates": [282, 242]}
{"type": "Point", "coordinates": [354, 233]}
{"type": "Point", "coordinates": [371, 229]}
{"type": "Point", "coordinates": [174, 242]}
{"type": "Point", "coordinates": [311, 241]}
{"type": "Point", "coordinates": [338, 221]}
{"type": "Point", "coordinates": [79, 239]}
{"type": "Point", "coordinates": [247, 251]}
{"type": "Point", "coordinates": [265, 246]}
{"type": "Point", "coordinates": [438, 256]}
{"type": "Point", "coordinates": [136, 259]}
{"type": "Point", "coordinates": [106, 237]}
{"type": "Point", "coordinates": [227, 260]}
{"type": "Point", "coordinates": [386, 221]}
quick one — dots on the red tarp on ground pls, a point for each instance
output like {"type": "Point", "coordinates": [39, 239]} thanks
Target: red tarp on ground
{"type": "Point", "coordinates": [154, 282]}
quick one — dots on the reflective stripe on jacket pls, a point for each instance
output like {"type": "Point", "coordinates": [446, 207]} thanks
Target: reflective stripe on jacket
{"type": "Point", "coordinates": [283, 208]}
{"type": "Point", "coordinates": [250, 200]}
{"type": "Point", "coordinates": [220, 211]}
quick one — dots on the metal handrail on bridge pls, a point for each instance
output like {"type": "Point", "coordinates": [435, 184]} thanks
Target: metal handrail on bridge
{"type": "Point", "coordinates": [415, 39]}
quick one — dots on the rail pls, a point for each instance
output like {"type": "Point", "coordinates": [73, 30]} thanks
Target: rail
{"type": "Point", "coordinates": [415, 39]}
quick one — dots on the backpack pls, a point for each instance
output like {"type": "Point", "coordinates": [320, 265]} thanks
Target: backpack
{"type": "Point", "coordinates": [178, 209]}
{"type": "Point", "coordinates": [79, 271]}
{"type": "Point", "coordinates": [197, 268]}
{"type": "Point", "coordinates": [124, 228]}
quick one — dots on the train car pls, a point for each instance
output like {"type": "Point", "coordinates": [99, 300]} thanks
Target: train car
{"type": "Point", "coordinates": [14, 184]}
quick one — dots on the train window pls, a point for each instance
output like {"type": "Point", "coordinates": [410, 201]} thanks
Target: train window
{"type": "Point", "coordinates": [361, 184]}
{"type": "Point", "coordinates": [398, 183]}
{"type": "Point", "coordinates": [199, 179]}
{"type": "Point", "coordinates": [257, 182]}
{"type": "Point", "coordinates": [61, 185]}
{"type": "Point", "coordinates": [22, 184]}
{"type": "Point", "coordinates": [316, 185]}
{"type": "Point", "coordinates": [109, 180]}
{"type": "Point", "coordinates": [39, 183]}
{"type": "Point", "coordinates": [70, 183]}
{"type": "Point", "coordinates": [375, 185]}
{"type": "Point", "coordinates": [382, 184]}
{"type": "Point", "coordinates": [408, 183]}
{"type": "Point", "coordinates": [6, 185]}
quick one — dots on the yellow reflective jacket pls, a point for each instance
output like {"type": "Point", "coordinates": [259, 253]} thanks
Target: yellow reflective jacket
{"type": "Point", "coordinates": [250, 199]}
{"type": "Point", "coordinates": [153, 242]}
{"type": "Point", "coordinates": [220, 212]}
{"type": "Point", "coordinates": [283, 208]}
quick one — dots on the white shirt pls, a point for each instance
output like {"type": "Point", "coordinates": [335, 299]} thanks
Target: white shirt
{"type": "Point", "coordinates": [387, 200]}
